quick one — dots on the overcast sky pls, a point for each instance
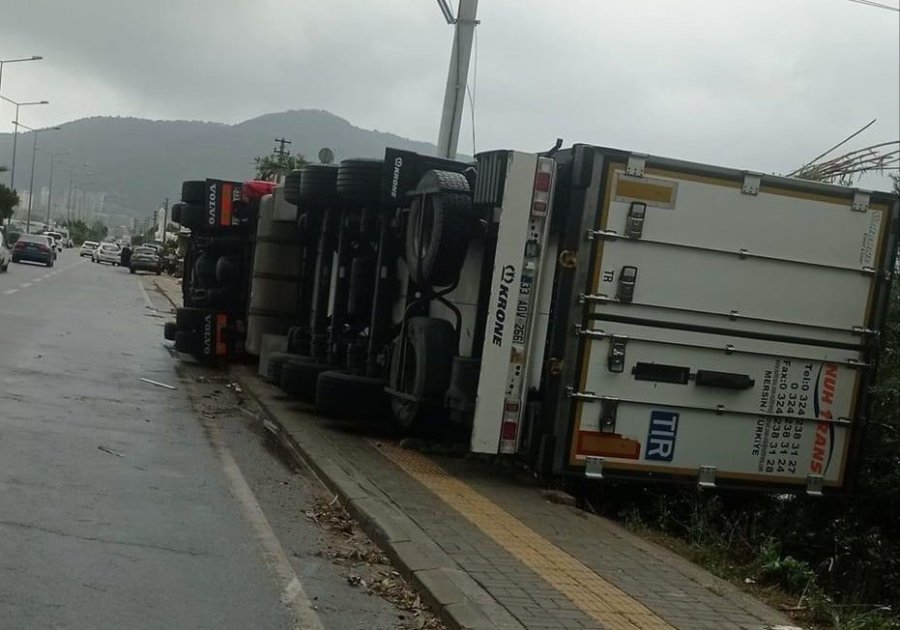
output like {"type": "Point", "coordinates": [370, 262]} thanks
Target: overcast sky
{"type": "Point", "coordinates": [760, 84]}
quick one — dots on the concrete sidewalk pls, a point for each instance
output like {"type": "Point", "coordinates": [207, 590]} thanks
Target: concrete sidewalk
{"type": "Point", "coordinates": [492, 552]}
{"type": "Point", "coordinates": [489, 551]}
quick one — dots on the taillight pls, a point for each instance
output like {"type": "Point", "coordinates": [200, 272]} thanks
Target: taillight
{"type": "Point", "coordinates": [20, 245]}
{"type": "Point", "coordinates": [509, 427]}
{"type": "Point", "coordinates": [543, 182]}
{"type": "Point", "coordinates": [43, 248]}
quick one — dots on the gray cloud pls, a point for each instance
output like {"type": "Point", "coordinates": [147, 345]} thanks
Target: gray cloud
{"type": "Point", "coordinates": [762, 84]}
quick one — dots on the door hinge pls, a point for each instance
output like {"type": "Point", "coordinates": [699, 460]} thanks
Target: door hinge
{"type": "Point", "coordinates": [751, 183]}
{"type": "Point", "coordinates": [627, 280]}
{"type": "Point", "coordinates": [615, 361]}
{"type": "Point", "coordinates": [707, 477]}
{"type": "Point", "coordinates": [636, 163]}
{"type": "Point", "coordinates": [593, 468]}
{"type": "Point", "coordinates": [634, 225]}
{"type": "Point", "coordinates": [860, 201]}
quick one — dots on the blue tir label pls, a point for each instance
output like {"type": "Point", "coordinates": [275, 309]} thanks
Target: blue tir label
{"type": "Point", "coordinates": [661, 436]}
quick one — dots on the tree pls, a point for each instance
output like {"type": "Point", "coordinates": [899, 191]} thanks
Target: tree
{"type": "Point", "coordinates": [269, 166]}
{"type": "Point", "coordinates": [9, 199]}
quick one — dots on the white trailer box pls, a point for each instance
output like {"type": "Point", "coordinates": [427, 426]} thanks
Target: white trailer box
{"type": "Point", "coordinates": [693, 321]}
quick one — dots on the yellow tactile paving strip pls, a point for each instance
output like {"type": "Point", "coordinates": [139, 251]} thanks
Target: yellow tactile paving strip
{"type": "Point", "coordinates": [599, 599]}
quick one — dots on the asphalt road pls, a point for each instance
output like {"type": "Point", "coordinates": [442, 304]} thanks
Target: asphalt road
{"type": "Point", "coordinates": [118, 508]}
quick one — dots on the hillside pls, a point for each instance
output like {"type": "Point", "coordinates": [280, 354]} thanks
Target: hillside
{"type": "Point", "coordinates": [138, 163]}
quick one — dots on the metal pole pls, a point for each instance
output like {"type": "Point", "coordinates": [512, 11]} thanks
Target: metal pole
{"type": "Point", "coordinates": [50, 188]}
{"type": "Point", "coordinates": [457, 74]}
{"type": "Point", "coordinates": [12, 168]}
{"type": "Point", "coordinates": [31, 186]}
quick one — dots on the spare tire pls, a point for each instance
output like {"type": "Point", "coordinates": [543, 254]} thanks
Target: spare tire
{"type": "Point", "coordinates": [193, 192]}
{"type": "Point", "coordinates": [318, 185]}
{"type": "Point", "coordinates": [350, 396]}
{"type": "Point", "coordinates": [426, 355]}
{"type": "Point", "coordinates": [359, 181]}
{"type": "Point", "coordinates": [176, 212]}
{"type": "Point", "coordinates": [292, 187]}
{"type": "Point", "coordinates": [438, 229]}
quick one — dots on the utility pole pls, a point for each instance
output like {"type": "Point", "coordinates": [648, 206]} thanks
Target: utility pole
{"type": "Point", "coordinates": [165, 220]}
{"type": "Point", "coordinates": [454, 94]}
{"type": "Point", "coordinates": [280, 151]}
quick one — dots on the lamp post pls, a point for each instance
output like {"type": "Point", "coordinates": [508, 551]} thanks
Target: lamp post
{"type": "Point", "coordinates": [12, 167]}
{"type": "Point", "coordinates": [53, 158]}
{"type": "Point", "coordinates": [16, 60]}
{"type": "Point", "coordinates": [31, 186]}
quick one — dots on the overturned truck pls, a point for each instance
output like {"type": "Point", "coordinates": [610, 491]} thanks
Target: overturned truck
{"type": "Point", "coordinates": [594, 312]}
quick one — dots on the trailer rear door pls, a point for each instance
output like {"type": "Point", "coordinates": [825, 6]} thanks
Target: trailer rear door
{"type": "Point", "coordinates": [726, 323]}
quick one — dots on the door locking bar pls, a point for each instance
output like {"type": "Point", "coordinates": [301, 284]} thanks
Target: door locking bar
{"type": "Point", "coordinates": [591, 397]}
{"type": "Point", "coordinates": [727, 348]}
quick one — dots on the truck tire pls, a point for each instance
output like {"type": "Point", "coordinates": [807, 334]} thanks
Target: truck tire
{"type": "Point", "coordinates": [276, 365]}
{"type": "Point", "coordinates": [350, 397]}
{"type": "Point", "coordinates": [318, 185]}
{"type": "Point", "coordinates": [359, 181]}
{"type": "Point", "coordinates": [299, 376]}
{"type": "Point", "coordinates": [227, 270]}
{"type": "Point", "coordinates": [193, 192]}
{"type": "Point", "coordinates": [430, 345]}
{"type": "Point", "coordinates": [438, 229]}
{"type": "Point", "coordinates": [170, 329]}
{"type": "Point", "coordinates": [292, 187]}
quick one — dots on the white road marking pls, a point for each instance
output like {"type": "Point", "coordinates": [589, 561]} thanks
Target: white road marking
{"type": "Point", "coordinates": [38, 279]}
{"type": "Point", "coordinates": [144, 293]}
{"type": "Point", "coordinates": [293, 594]}
{"type": "Point", "coordinates": [10, 291]}
{"type": "Point", "coordinates": [24, 285]}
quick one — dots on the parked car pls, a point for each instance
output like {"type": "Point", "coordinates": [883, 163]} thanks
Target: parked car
{"type": "Point", "coordinates": [34, 248]}
{"type": "Point", "coordinates": [5, 255]}
{"type": "Point", "coordinates": [87, 249]}
{"type": "Point", "coordinates": [145, 259]}
{"type": "Point", "coordinates": [57, 239]}
{"type": "Point", "coordinates": [108, 253]}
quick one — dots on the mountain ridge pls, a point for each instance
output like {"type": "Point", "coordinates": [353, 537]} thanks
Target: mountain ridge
{"type": "Point", "coordinates": [136, 163]}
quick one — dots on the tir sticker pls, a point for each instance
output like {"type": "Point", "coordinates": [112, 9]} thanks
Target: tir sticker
{"type": "Point", "coordinates": [661, 436]}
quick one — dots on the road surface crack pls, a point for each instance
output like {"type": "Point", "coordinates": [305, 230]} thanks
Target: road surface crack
{"type": "Point", "coordinates": [56, 532]}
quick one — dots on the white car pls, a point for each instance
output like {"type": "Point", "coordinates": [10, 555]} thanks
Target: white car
{"type": "Point", "coordinates": [5, 256]}
{"type": "Point", "coordinates": [108, 253]}
{"type": "Point", "coordinates": [57, 239]}
{"type": "Point", "coordinates": [87, 249]}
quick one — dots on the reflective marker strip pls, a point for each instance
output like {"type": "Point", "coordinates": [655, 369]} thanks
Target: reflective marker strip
{"type": "Point", "coordinates": [225, 201]}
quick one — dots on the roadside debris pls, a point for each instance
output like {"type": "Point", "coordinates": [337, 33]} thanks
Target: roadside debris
{"type": "Point", "coordinates": [157, 383]}
{"type": "Point", "coordinates": [367, 566]}
{"type": "Point", "coordinates": [106, 449]}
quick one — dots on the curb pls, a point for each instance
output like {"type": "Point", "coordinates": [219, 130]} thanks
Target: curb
{"type": "Point", "coordinates": [459, 601]}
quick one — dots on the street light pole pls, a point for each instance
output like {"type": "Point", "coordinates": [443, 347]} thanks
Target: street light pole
{"type": "Point", "coordinates": [31, 186]}
{"type": "Point", "coordinates": [454, 94]}
{"type": "Point", "coordinates": [12, 168]}
{"type": "Point", "coordinates": [20, 59]}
